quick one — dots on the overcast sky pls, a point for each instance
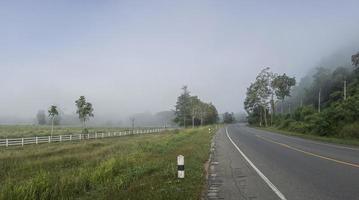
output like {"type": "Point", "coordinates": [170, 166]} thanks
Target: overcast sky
{"type": "Point", "coordinates": [133, 56]}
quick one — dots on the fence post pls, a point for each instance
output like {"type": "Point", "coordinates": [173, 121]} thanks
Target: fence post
{"type": "Point", "coordinates": [36, 140]}
{"type": "Point", "coordinates": [95, 135]}
{"type": "Point", "coordinates": [88, 136]}
{"type": "Point", "coordinates": [49, 139]}
{"type": "Point", "coordinates": [70, 137]}
{"type": "Point", "coordinates": [80, 136]}
{"type": "Point", "coordinates": [22, 141]}
{"type": "Point", "coordinates": [102, 135]}
{"type": "Point", "coordinates": [60, 138]}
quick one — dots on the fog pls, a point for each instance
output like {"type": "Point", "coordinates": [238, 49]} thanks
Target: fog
{"type": "Point", "coordinates": [130, 57]}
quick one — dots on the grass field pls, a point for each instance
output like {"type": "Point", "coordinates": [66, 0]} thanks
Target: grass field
{"type": "Point", "coordinates": [334, 140]}
{"type": "Point", "coordinates": [131, 167]}
{"type": "Point", "coordinates": [13, 131]}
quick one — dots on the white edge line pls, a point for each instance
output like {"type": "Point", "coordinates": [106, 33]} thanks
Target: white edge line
{"type": "Point", "coordinates": [270, 184]}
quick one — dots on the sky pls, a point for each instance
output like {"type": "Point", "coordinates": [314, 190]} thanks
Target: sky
{"type": "Point", "coordinates": [134, 56]}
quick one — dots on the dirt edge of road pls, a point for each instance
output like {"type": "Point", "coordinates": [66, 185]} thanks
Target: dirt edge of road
{"type": "Point", "coordinates": [206, 167]}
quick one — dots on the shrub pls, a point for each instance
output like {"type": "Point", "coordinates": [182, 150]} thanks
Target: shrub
{"type": "Point", "coordinates": [284, 124]}
{"type": "Point", "coordinates": [299, 127]}
{"type": "Point", "coordinates": [350, 131]}
{"type": "Point", "coordinates": [302, 112]}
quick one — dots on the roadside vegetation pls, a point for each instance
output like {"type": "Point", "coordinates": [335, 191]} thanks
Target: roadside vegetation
{"type": "Point", "coordinates": [132, 167]}
{"type": "Point", "coordinates": [324, 104]}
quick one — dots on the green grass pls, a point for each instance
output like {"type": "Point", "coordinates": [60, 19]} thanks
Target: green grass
{"type": "Point", "coordinates": [13, 131]}
{"type": "Point", "coordinates": [132, 167]}
{"type": "Point", "coordinates": [334, 140]}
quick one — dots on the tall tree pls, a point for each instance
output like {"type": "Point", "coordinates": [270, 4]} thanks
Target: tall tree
{"type": "Point", "coordinates": [263, 90]}
{"type": "Point", "coordinates": [252, 102]}
{"type": "Point", "coordinates": [183, 107]}
{"type": "Point", "coordinates": [282, 85]}
{"type": "Point", "coordinates": [41, 117]}
{"type": "Point", "coordinates": [84, 110]}
{"type": "Point", "coordinates": [211, 116]}
{"type": "Point", "coordinates": [355, 59]}
{"type": "Point", "coordinates": [52, 114]}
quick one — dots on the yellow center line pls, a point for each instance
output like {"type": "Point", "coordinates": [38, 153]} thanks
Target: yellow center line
{"type": "Point", "coordinates": [309, 153]}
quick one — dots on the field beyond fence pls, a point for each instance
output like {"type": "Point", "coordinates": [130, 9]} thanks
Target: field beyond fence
{"type": "Point", "coordinates": [63, 138]}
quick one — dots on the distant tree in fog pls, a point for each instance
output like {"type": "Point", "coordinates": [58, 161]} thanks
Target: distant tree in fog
{"type": "Point", "coordinates": [183, 108]}
{"type": "Point", "coordinates": [84, 110]}
{"type": "Point", "coordinates": [355, 60]}
{"type": "Point", "coordinates": [190, 109]}
{"type": "Point", "coordinates": [52, 114]}
{"type": "Point", "coordinates": [228, 118]}
{"type": "Point", "coordinates": [41, 117]}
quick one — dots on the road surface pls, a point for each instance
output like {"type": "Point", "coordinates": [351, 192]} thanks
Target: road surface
{"type": "Point", "coordinates": [253, 164]}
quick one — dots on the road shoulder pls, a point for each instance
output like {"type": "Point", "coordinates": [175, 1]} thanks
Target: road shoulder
{"type": "Point", "coordinates": [230, 176]}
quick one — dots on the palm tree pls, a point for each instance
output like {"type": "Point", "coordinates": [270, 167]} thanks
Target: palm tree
{"type": "Point", "coordinates": [52, 113]}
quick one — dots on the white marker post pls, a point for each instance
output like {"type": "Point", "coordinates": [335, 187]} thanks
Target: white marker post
{"type": "Point", "coordinates": [180, 166]}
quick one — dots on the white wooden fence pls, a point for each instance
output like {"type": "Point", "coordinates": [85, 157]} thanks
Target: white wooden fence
{"type": "Point", "coordinates": [63, 138]}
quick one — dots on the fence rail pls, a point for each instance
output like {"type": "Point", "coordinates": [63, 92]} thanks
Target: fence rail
{"type": "Point", "coordinates": [64, 138]}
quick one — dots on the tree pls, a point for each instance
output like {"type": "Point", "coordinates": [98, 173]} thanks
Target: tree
{"type": "Point", "coordinates": [183, 107]}
{"type": "Point", "coordinates": [355, 59]}
{"type": "Point", "coordinates": [196, 110]}
{"type": "Point", "coordinates": [282, 85]}
{"type": "Point", "coordinates": [84, 110]}
{"type": "Point", "coordinates": [191, 109]}
{"type": "Point", "coordinates": [211, 114]}
{"type": "Point", "coordinates": [52, 114]}
{"type": "Point", "coordinates": [252, 104]}
{"type": "Point", "coordinates": [228, 118]}
{"type": "Point", "coordinates": [41, 117]}
{"type": "Point", "coordinates": [262, 87]}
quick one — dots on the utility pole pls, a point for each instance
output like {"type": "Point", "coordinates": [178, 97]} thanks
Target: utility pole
{"type": "Point", "coordinates": [320, 90]}
{"type": "Point", "coordinates": [301, 102]}
{"type": "Point", "coordinates": [184, 121]}
{"type": "Point", "coordinates": [133, 125]}
{"type": "Point", "coordinates": [345, 90]}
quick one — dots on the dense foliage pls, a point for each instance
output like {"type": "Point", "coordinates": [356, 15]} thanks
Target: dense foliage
{"type": "Point", "coordinates": [190, 110]}
{"type": "Point", "coordinates": [325, 103]}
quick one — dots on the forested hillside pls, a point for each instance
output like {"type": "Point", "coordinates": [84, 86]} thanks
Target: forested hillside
{"type": "Point", "coordinates": [325, 102]}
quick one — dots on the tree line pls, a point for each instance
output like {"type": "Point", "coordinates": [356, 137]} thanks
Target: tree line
{"type": "Point", "coordinates": [191, 111]}
{"type": "Point", "coordinates": [325, 102]}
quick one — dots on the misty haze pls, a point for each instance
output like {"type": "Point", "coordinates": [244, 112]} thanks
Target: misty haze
{"type": "Point", "coordinates": [260, 99]}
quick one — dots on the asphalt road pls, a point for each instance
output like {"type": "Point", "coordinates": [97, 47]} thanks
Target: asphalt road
{"type": "Point", "coordinates": [274, 166]}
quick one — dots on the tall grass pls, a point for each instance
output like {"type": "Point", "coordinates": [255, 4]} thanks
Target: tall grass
{"type": "Point", "coordinates": [133, 167]}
